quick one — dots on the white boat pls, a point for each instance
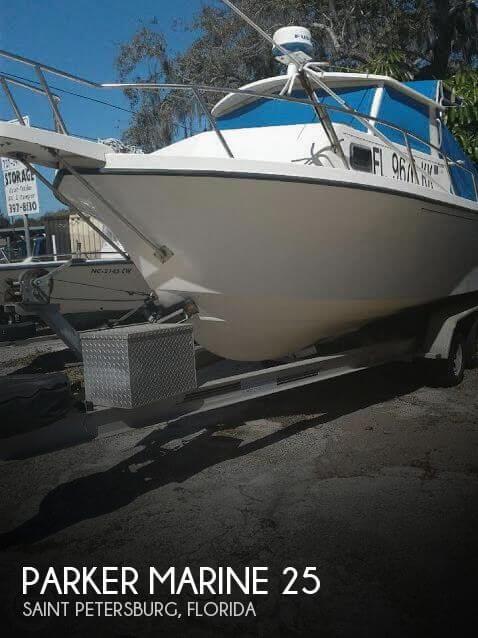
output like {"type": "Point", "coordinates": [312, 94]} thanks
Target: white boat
{"type": "Point", "coordinates": [89, 291]}
{"type": "Point", "coordinates": [299, 217]}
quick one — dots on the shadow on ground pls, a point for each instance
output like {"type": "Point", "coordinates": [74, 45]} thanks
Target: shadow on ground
{"type": "Point", "coordinates": [47, 362]}
{"type": "Point", "coordinates": [154, 466]}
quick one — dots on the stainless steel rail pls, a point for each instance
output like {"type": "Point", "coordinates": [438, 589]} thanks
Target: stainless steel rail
{"type": "Point", "coordinates": [49, 69]}
{"type": "Point", "coordinates": [196, 89]}
{"type": "Point", "coordinates": [6, 80]}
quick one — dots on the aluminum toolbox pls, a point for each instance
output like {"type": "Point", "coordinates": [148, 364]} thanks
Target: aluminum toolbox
{"type": "Point", "coordinates": [132, 366]}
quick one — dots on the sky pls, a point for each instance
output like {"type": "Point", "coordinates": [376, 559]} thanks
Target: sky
{"type": "Point", "coordinates": [83, 38]}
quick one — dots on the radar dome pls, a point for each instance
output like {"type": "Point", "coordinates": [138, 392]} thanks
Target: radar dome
{"type": "Point", "coordinates": [296, 40]}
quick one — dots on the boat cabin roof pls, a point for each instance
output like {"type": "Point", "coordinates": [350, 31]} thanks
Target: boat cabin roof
{"type": "Point", "coordinates": [426, 92]}
{"type": "Point", "coordinates": [397, 107]}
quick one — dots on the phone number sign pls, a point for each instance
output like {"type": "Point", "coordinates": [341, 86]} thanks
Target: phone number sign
{"type": "Point", "coordinates": [20, 186]}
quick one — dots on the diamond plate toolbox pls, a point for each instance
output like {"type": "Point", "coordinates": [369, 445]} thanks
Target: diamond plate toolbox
{"type": "Point", "coordinates": [132, 366]}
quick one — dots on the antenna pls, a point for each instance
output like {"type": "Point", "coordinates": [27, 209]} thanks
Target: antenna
{"type": "Point", "coordinates": [296, 39]}
{"type": "Point", "coordinates": [302, 72]}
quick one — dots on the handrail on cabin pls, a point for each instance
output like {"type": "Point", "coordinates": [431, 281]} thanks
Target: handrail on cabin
{"type": "Point", "coordinates": [196, 90]}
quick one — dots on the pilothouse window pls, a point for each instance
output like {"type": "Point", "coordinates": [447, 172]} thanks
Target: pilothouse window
{"type": "Point", "coordinates": [361, 158]}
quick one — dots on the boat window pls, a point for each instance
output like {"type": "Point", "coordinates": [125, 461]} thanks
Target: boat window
{"type": "Point", "coordinates": [406, 113]}
{"type": "Point", "coordinates": [361, 158]}
{"type": "Point", "coordinates": [463, 180]}
{"type": "Point", "coordinates": [263, 112]}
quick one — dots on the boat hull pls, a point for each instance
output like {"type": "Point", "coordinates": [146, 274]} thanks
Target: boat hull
{"type": "Point", "coordinates": [276, 264]}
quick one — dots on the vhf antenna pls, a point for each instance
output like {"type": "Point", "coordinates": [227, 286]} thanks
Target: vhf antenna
{"type": "Point", "coordinates": [305, 72]}
{"type": "Point", "coordinates": [302, 72]}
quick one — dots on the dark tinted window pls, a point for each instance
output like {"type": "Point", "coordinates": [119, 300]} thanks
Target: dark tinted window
{"type": "Point", "coordinates": [361, 158]}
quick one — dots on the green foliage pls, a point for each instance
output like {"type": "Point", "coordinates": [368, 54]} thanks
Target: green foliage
{"type": "Point", "coordinates": [463, 120]}
{"type": "Point", "coordinates": [391, 63]}
{"type": "Point", "coordinates": [144, 59]}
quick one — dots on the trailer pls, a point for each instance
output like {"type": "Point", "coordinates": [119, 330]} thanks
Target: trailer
{"type": "Point", "coordinates": [157, 366]}
{"type": "Point", "coordinates": [150, 374]}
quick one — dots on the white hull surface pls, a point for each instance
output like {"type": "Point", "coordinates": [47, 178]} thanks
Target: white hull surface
{"type": "Point", "coordinates": [88, 290]}
{"type": "Point", "coordinates": [276, 257]}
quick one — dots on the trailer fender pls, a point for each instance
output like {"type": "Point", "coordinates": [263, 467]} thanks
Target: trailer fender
{"type": "Point", "coordinates": [441, 330]}
{"type": "Point", "coordinates": [471, 352]}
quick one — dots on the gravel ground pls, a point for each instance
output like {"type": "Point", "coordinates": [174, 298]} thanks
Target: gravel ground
{"type": "Point", "coordinates": [373, 478]}
{"type": "Point", "coordinates": [15, 356]}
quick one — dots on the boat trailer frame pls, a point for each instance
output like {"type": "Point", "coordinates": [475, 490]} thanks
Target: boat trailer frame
{"type": "Point", "coordinates": [217, 389]}
{"type": "Point", "coordinates": [307, 367]}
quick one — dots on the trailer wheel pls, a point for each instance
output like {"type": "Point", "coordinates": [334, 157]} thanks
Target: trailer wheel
{"type": "Point", "coordinates": [449, 373]}
{"type": "Point", "coordinates": [471, 347]}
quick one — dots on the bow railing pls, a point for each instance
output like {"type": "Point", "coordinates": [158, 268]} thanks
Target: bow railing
{"type": "Point", "coordinates": [197, 91]}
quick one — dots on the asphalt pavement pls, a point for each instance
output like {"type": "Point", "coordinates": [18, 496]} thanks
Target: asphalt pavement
{"type": "Point", "coordinates": [372, 478]}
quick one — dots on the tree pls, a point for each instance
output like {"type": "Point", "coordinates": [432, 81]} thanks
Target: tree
{"type": "Point", "coordinates": [452, 28]}
{"type": "Point", "coordinates": [463, 121]}
{"type": "Point", "coordinates": [404, 38]}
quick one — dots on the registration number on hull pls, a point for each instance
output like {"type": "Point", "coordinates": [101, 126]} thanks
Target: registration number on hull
{"type": "Point", "coordinates": [111, 271]}
{"type": "Point", "coordinates": [402, 169]}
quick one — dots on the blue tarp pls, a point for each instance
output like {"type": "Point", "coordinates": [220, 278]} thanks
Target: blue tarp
{"type": "Point", "coordinates": [406, 113]}
{"type": "Point", "coordinates": [428, 88]}
{"type": "Point", "coordinates": [462, 180]}
{"type": "Point", "coordinates": [264, 112]}
{"type": "Point", "coordinates": [359, 99]}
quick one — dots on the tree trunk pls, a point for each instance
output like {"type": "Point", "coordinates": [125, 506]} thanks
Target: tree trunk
{"type": "Point", "coordinates": [443, 22]}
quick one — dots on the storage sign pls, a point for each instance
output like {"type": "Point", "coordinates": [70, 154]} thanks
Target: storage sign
{"type": "Point", "coordinates": [20, 185]}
